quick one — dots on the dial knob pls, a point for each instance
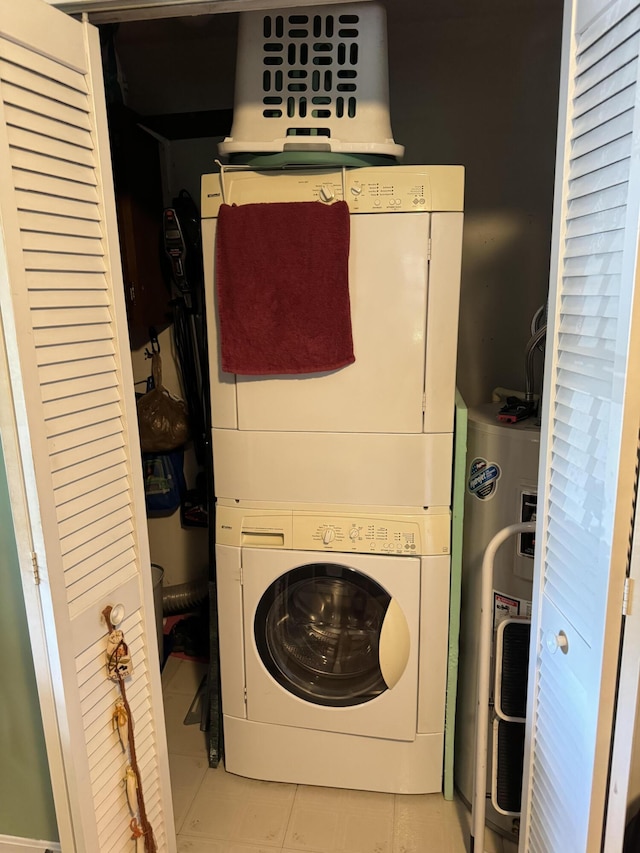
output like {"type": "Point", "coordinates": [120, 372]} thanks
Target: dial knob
{"type": "Point", "coordinates": [327, 193]}
{"type": "Point", "coordinates": [329, 535]}
{"type": "Point", "coordinates": [356, 189]}
{"type": "Point", "coordinates": [353, 533]}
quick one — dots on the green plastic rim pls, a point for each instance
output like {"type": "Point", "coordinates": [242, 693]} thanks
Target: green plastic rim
{"type": "Point", "coordinates": [309, 158]}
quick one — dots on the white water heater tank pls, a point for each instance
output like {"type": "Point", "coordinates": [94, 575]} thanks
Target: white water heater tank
{"type": "Point", "coordinates": [501, 489]}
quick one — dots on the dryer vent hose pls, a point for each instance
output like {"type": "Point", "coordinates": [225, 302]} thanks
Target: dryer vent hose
{"type": "Point", "coordinates": [184, 597]}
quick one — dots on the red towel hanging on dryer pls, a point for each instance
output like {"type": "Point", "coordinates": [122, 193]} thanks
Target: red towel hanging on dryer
{"type": "Point", "coordinates": [282, 284]}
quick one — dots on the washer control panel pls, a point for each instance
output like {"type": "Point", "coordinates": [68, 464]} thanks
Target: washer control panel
{"type": "Point", "coordinates": [414, 534]}
{"type": "Point", "coordinates": [378, 535]}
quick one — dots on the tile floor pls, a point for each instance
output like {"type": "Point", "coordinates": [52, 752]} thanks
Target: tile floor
{"type": "Point", "coordinates": [217, 812]}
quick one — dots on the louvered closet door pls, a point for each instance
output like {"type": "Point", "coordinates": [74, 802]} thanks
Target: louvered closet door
{"type": "Point", "coordinates": [65, 333]}
{"type": "Point", "coordinates": [590, 433]}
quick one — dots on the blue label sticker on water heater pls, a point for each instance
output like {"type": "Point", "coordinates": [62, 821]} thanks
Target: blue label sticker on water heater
{"type": "Point", "coordinates": [483, 478]}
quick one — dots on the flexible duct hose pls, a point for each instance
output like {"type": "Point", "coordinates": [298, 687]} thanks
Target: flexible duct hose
{"type": "Point", "coordinates": [184, 596]}
{"type": "Point", "coordinates": [530, 352]}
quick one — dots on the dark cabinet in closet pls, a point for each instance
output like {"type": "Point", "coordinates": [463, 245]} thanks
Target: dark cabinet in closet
{"type": "Point", "coordinates": [138, 188]}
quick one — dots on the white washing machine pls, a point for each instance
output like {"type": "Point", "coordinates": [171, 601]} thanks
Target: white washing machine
{"type": "Point", "coordinates": [378, 432]}
{"type": "Point", "coordinates": [333, 644]}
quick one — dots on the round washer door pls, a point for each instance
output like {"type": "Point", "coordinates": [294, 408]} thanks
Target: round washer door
{"type": "Point", "coordinates": [331, 635]}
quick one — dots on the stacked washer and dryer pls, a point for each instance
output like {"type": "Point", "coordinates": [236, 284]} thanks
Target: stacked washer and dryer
{"type": "Point", "coordinates": [333, 489]}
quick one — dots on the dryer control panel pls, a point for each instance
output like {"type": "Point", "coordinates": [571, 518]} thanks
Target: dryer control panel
{"type": "Point", "coordinates": [366, 189]}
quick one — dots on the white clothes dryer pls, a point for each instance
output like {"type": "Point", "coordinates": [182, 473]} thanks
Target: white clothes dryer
{"type": "Point", "coordinates": [333, 645]}
{"type": "Point", "coordinates": [378, 432]}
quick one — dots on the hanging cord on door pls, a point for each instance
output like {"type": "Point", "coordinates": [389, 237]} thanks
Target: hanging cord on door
{"type": "Point", "coordinates": [117, 670]}
{"type": "Point", "coordinates": [119, 720]}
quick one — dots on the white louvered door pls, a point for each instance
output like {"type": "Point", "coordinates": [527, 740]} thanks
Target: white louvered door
{"type": "Point", "coordinates": [71, 421]}
{"type": "Point", "coordinates": [590, 432]}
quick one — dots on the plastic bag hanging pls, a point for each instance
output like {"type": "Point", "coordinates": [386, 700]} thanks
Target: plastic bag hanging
{"type": "Point", "coordinates": [162, 418]}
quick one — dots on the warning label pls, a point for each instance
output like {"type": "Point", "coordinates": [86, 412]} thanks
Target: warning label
{"type": "Point", "coordinates": [506, 607]}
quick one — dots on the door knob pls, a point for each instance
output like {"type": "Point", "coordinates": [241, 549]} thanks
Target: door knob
{"type": "Point", "coordinates": [557, 641]}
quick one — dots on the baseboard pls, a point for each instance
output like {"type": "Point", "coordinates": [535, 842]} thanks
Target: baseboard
{"type": "Point", "coordinates": [11, 844]}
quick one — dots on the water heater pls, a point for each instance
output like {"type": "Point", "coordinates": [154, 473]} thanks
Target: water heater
{"type": "Point", "coordinates": [501, 489]}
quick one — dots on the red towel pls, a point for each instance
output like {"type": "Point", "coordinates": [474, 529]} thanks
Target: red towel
{"type": "Point", "coordinates": [283, 287]}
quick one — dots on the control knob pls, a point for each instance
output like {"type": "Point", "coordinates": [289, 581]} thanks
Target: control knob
{"type": "Point", "coordinates": [329, 535]}
{"type": "Point", "coordinates": [353, 533]}
{"type": "Point", "coordinates": [327, 193]}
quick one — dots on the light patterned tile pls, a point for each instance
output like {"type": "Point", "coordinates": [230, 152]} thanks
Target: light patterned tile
{"type": "Point", "coordinates": [415, 833]}
{"type": "Point", "coordinates": [220, 783]}
{"type": "Point", "coordinates": [182, 799]}
{"type": "Point", "coordinates": [214, 817]}
{"type": "Point", "coordinates": [457, 821]}
{"type": "Point", "coordinates": [186, 678]}
{"type": "Point", "coordinates": [431, 824]}
{"type": "Point", "coordinates": [189, 844]}
{"type": "Point", "coordinates": [169, 671]}
{"type": "Point", "coordinates": [312, 796]}
{"type": "Point", "coordinates": [265, 822]}
{"type": "Point", "coordinates": [366, 832]}
{"type": "Point", "coordinates": [429, 808]}
{"type": "Point", "coordinates": [187, 772]}
{"type": "Point", "coordinates": [232, 809]}
{"type": "Point", "coordinates": [181, 739]}
{"type": "Point", "coordinates": [330, 820]}
{"type": "Point", "coordinates": [459, 824]}
{"type": "Point", "coordinates": [260, 823]}
{"type": "Point", "coordinates": [342, 798]}
{"type": "Point", "coordinates": [313, 829]}
{"type": "Point", "coordinates": [370, 801]}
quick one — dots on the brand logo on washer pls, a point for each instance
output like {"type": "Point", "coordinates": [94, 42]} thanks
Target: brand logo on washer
{"type": "Point", "coordinates": [483, 478]}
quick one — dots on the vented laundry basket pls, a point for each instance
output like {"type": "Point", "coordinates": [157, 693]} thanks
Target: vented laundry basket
{"type": "Point", "coordinates": [312, 79]}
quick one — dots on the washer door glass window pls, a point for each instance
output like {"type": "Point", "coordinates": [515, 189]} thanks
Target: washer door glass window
{"type": "Point", "coordinates": [317, 631]}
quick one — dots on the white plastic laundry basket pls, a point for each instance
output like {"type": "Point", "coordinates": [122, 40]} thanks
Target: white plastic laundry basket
{"type": "Point", "coordinates": [312, 79]}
